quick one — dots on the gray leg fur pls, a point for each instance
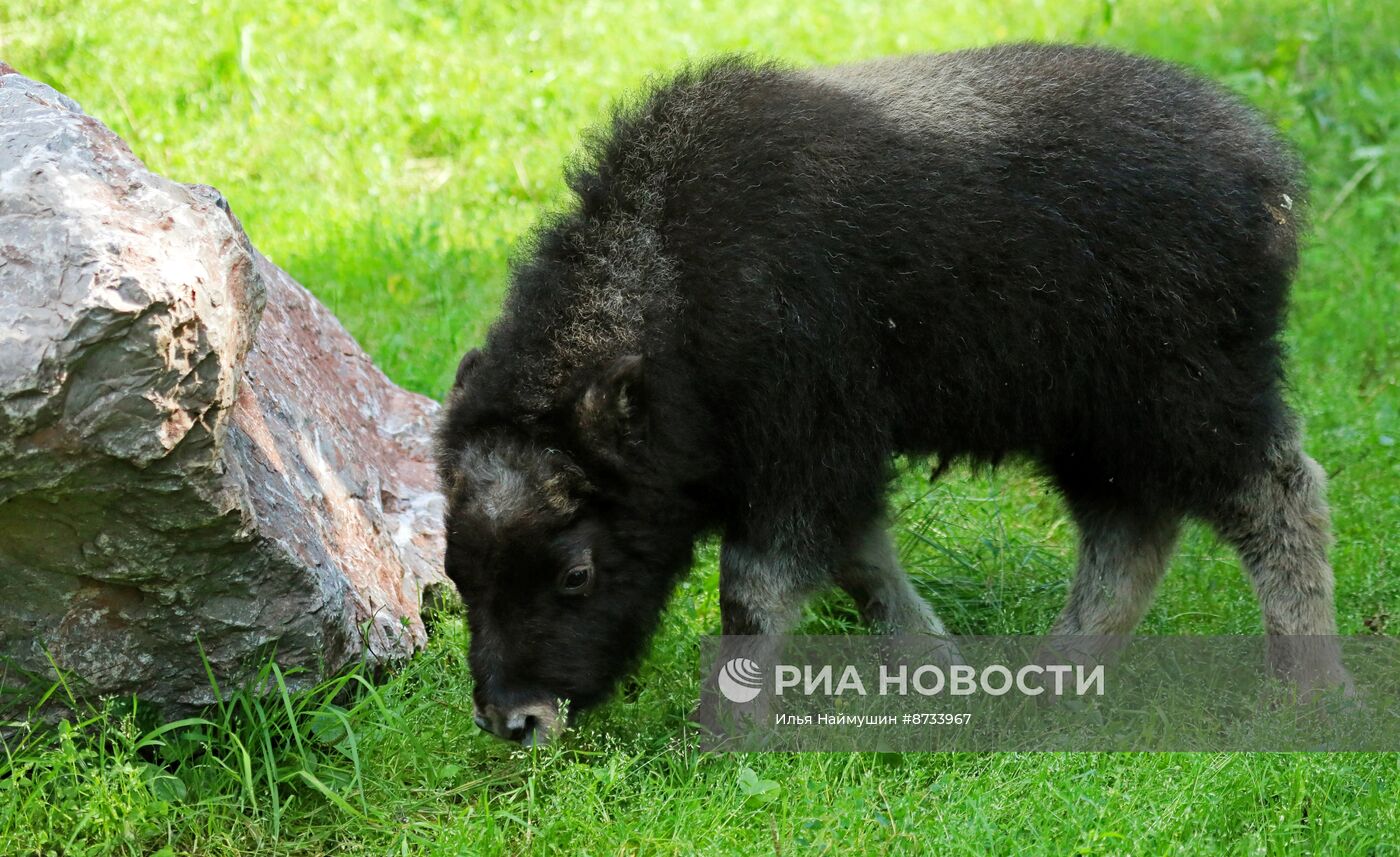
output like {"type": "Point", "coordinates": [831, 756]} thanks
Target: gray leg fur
{"type": "Point", "coordinates": [760, 592]}
{"type": "Point", "coordinates": [1122, 557]}
{"type": "Point", "coordinates": [881, 589]}
{"type": "Point", "coordinates": [1279, 524]}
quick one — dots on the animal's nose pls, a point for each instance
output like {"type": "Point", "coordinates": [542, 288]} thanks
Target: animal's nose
{"type": "Point", "coordinates": [512, 727]}
{"type": "Point", "coordinates": [531, 725]}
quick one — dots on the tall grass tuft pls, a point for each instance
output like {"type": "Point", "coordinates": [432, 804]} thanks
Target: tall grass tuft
{"type": "Point", "coordinates": [112, 776]}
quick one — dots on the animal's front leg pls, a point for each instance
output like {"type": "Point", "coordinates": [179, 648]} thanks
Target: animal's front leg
{"type": "Point", "coordinates": [882, 591]}
{"type": "Point", "coordinates": [760, 598]}
{"type": "Point", "coordinates": [761, 592]}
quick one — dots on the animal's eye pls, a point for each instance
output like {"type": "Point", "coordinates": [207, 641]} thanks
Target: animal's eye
{"type": "Point", "coordinates": [577, 580]}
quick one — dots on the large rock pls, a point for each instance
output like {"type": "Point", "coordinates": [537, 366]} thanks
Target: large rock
{"type": "Point", "coordinates": [196, 460]}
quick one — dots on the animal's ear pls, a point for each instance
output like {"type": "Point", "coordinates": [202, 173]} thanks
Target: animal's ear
{"type": "Point", "coordinates": [470, 361]}
{"type": "Point", "coordinates": [610, 411]}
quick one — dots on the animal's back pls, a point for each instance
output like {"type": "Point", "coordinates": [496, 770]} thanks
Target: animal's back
{"type": "Point", "coordinates": [1061, 251]}
{"type": "Point", "coordinates": [1068, 252]}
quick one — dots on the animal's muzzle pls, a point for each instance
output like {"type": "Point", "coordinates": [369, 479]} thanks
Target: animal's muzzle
{"type": "Point", "coordinates": [531, 725]}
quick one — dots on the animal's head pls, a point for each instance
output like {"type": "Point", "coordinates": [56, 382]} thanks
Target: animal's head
{"type": "Point", "coordinates": [561, 547]}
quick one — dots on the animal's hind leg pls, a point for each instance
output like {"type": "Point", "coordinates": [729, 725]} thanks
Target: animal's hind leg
{"type": "Point", "coordinates": [1279, 523]}
{"type": "Point", "coordinates": [1123, 553]}
{"type": "Point", "coordinates": [872, 576]}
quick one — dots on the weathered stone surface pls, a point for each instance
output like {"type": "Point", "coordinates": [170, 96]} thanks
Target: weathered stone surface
{"type": "Point", "coordinates": [194, 454]}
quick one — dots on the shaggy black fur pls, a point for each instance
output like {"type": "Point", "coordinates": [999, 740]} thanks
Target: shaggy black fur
{"type": "Point", "coordinates": [1069, 254]}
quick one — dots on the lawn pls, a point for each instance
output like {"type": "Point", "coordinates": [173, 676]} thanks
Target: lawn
{"type": "Point", "coordinates": [390, 154]}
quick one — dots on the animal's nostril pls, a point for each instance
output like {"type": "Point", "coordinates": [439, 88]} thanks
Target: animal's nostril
{"type": "Point", "coordinates": [481, 722]}
{"type": "Point", "coordinates": [521, 726]}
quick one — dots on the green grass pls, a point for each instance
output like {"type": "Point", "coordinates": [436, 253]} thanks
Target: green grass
{"type": "Point", "coordinates": [388, 154]}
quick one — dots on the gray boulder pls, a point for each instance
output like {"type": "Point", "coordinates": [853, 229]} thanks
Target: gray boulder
{"type": "Point", "coordinates": [196, 460]}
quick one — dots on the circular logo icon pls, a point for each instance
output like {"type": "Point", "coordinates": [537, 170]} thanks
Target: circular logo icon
{"type": "Point", "coordinates": [740, 680]}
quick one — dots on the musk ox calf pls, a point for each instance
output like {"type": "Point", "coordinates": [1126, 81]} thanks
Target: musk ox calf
{"type": "Point", "coordinates": [771, 282]}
